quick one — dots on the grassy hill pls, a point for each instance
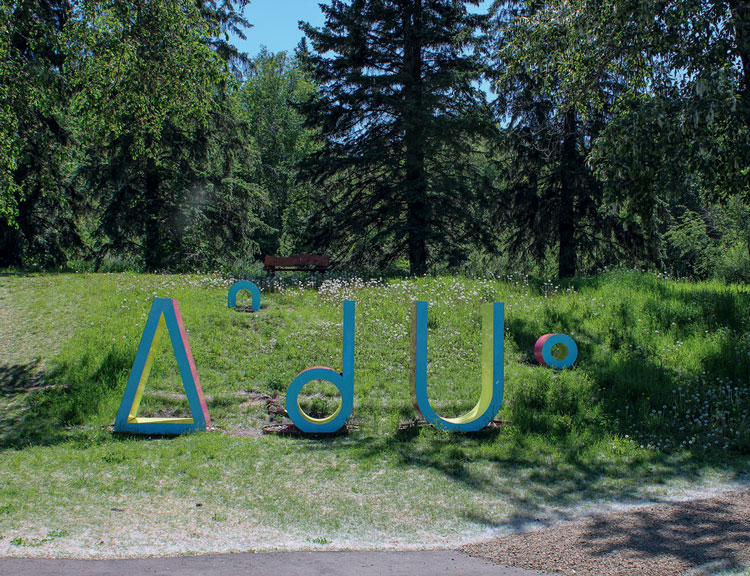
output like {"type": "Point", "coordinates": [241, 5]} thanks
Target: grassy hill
{"type": "Point", "coordinates": [658, 401]}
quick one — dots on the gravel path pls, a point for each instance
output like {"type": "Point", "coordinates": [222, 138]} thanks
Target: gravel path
{"type": "Point", "coordinates": [692, 537]}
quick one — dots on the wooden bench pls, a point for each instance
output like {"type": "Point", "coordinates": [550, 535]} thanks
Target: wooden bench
{"type": "Point", "coordinates": [296, 262]}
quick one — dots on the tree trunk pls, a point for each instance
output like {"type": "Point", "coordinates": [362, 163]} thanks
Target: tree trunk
{"type": "Point", "coordinates": [417, 217]}
{"type": "Point", "coordinates": [566, 263]}
{"type": "Point", "coordinates": [152, 242]}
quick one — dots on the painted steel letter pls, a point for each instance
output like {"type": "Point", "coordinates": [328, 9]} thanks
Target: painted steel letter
{"type": "Point", "coordinates": [493, 370]}
{"type": "Point", "coordinates": [244, 285]}
{"type": "Point", "coordinates": [543, 351]}
{"type": "Point", "coordinates": [164, 312]}
{"type": "Point", "coordinates": [344, 382]}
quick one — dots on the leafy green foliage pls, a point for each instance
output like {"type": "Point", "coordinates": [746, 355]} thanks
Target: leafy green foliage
{"type": "Point", "coordinates": [252, 201]}
{"type": "Point", "coordinates": [715, 242]}
{"type": "Point", "coordinates": [140, 65]}
{"type": "Point", "coordinates": [36, 223]}
{"type": "Point", "coordinates": [135, 134]}
{"type": "Point", "coordinates": [269, 97]}
{"type": "Point", "coordinates": [9, 190]}
{"type": "Point", "coordinates": [682, 112]}
{"type": "Point", "coordinates": [157, 111]}
{"type": "Point", "coordinates": [554, 115]}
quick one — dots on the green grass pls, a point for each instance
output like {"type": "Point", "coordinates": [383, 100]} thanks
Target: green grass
{"type": "Point", "coordinates": [657, 401]}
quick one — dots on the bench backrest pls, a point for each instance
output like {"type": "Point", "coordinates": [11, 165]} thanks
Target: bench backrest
{"type": "Point", "coordinates": [297, 260]}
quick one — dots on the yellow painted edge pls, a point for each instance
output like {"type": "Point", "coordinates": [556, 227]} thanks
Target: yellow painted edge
{"type": "Point", "coordinates": [325, 420]}
{"type": "Point", "coordinates": [485, 398]}
{"type": "Point", "coordinates": [147, 369]}
{"type": "Point", "coordinates": [161, 421]}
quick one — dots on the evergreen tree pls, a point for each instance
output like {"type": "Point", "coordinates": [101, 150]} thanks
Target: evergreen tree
{"type": "Point", "coordinates": [274, 86]}
{"type": "Point", "coordinates": [402, 117]}
{"type": "Point", "coordinates": [677, 123]}
{"type": "Point", "coordinates": [226, 17]}
{"type": "Point", "coordinates": [687, 63]}
{"type": "Point", "coordinates": [36, 222]}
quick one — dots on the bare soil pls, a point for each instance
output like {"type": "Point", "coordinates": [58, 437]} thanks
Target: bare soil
{"type": "Point", "coordinates": [691, 537]}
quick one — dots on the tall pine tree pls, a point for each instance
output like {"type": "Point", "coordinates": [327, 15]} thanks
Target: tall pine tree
{"type": "Point", "coordinates": [403, 120]}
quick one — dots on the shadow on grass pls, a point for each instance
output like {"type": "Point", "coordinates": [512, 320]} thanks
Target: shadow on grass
{"type": "Point", "coordinates": [535, 478]}
{"type": "Point", "coordinates": [40, 406]}
{"type": "Point", "coordinates": [19, 378]}
{"type": "Point", "coordinates": [633, 389]}
{"type": "Point", "coordinates": [20, 424]}
{"type": "Point", "coordinates": [568, 446]}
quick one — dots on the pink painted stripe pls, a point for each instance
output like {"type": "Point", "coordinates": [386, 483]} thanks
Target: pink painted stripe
{"type": "Point", "coordinates": [538, 348]}
{"type": "Point", "coordinates": [191, 362]}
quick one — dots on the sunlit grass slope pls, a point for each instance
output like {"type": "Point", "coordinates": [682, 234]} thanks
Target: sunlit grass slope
{"type": "Point", "coordinates": [660, 394]}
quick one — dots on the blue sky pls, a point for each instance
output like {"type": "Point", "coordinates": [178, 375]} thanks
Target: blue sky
{"type": "Point", "coordinates": [275, 24]}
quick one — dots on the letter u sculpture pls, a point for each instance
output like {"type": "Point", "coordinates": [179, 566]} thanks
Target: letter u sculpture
{"type": "Point", "coordinates": [493, 374]}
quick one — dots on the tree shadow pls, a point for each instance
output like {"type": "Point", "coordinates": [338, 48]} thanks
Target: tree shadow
{"type": "Point", "coordinates": [544, 466]}
{"type": "Point", "coordinates": [701, 533]}
{"type": "Point", "coordinates": [19, 378]}
{"type": "Point", "coordinates": [43, 406]}
{"type": "Point", "coordinates": [633, 383]}
{"type": "Point", "coordinates": [20, 424]}
{"type": "Point", "coordinates": [535, 486]}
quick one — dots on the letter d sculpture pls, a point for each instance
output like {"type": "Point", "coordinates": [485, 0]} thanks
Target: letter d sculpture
{"type": "Point", "coordinates": [344, 382]}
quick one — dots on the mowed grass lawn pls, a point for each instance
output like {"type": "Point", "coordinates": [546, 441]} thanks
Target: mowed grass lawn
{"type": "Point", "coordinates": [657, 404]}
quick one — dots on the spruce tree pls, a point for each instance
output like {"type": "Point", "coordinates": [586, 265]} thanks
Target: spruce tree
{"type": "Point", "coordinates": [402, 118]}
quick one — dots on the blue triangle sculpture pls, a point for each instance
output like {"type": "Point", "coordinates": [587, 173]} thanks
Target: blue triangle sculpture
{"type": "Point", "coordinates": [164, 312]}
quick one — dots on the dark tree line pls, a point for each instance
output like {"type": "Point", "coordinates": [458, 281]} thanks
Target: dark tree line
{"type": "Point", "coordinates": [615, 132]}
